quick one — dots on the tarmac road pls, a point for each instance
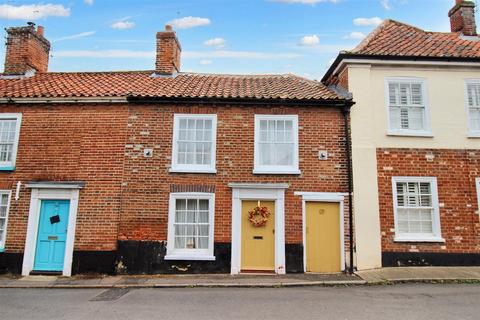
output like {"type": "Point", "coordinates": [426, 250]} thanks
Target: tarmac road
{"type": "Point", "coordinates": [402, 301]}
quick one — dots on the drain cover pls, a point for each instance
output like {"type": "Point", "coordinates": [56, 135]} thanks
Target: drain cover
{"type": "Point", "coordinates": [111, 294]}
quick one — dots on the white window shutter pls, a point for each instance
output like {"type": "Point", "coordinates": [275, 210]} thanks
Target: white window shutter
{"type": "Point", "coordinates": [473, 91]}
{"type": "Point", "coordinates": [417, 96]}
{"type": "Point", "coordinates": [404, 94]}
{"type": "Point", "coordinates": [415, 118]}
{"type": "Point", "coordinates": [393, 94]}
{"type": "Point", "coordinates": [395, 118]}
{"type": "Point", "coordinates": [473, 99]}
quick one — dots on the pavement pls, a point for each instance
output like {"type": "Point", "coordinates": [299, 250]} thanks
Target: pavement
{"type": "Point", "coordinates": [420, 274]}
{"type": "Point", "coordinates": [376, 276]}
{"type": "Point", "coordinates": [180, 281]}
{"type": "Point", "coordinates": [399, 302]}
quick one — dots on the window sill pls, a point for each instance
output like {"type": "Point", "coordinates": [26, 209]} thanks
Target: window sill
{"type": "Point", "coordinates": [261, 171]}
{"type": "Point", "coordinates": [192, 257]}
{"type": "Point", "coordinates": [473, 136]}
{"type": "Point", "coordinates": [433, 240]}
{"type": "Point", "coordinates": [178, 170]}
{"type": "Point", "coordinates": [6, 168]}
{"type": "Point", "coordinates": [419, 134]}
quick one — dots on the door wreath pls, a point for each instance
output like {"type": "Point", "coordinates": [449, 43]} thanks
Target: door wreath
{"type": "Point", "coordinates": [258, 217]}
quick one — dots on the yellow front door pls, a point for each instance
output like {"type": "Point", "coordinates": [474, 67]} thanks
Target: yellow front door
{"type": "Point", "coordinates": [258, 243]}
{"type": "Point", "coordinates": [323, 237]}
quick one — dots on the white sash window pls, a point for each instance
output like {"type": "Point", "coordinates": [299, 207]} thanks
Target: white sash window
{"type": "Point", "coordinates": [4, 208]}
{"type": "Point", "coordinates": [473, 103]}
{"type": "Point", "coordinates": [9, 136]}
{"type": "Point", "coordinates": [276, 144]}
{"type": "Point", "coordinates": [416, 209]}
{"type": "Point", "coordinates": [407, 107]}
{"type": "Point", "coordinates": [190, 226]}
{"type": "Point", "coordinates": [194, 143]}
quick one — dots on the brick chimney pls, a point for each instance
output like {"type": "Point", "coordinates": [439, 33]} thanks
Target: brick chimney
{"type": "Point", "coordinates": [462, 17]}
{"type": "Point", "coordinates": [27, 49]}
{"type": "Point", "coordinates": [168, 52]}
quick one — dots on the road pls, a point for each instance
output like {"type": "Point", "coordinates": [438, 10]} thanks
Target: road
{"type": "Point", "coordinates": [409, 301]}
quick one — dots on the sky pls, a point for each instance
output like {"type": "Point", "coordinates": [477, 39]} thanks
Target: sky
{"type": "Point", "coordinates": [217, 36]}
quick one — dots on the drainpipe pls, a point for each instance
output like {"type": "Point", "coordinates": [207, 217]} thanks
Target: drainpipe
{"type": "Point", "coordinates": [346, 113]}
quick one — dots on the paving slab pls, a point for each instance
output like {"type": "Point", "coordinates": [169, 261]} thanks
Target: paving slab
{"type": "Point", "coordinates": [403, 274]}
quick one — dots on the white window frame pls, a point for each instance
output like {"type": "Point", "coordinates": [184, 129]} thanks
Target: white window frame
{"type": "Point", "coordinates": [436, 227]}
{"type": "Point", "coordinates": [10, 165]}
{"type": "Point", "coordinates": [471, 133]}
{"type": "Point", "coordinates": [262, 169]}
{"type": "Point", "coordinates": [427, 131]}
{"type": "Point", "coordinates": [190, 254]}
{"type": "Point", "coordinates": [193, 168]}
{"type": "Point", "coordinates": [477, 182]}
{"type": "Point", "coordinates": [4, 238]}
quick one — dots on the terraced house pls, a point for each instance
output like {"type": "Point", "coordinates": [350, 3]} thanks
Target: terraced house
{"type": "Point", "coordinates": [163, 171]}
{"type": "Point", "coordinates": [416, 142]}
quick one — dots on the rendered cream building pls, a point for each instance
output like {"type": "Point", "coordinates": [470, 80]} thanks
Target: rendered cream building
{"type": "Point", "coordinates": [415, 142]}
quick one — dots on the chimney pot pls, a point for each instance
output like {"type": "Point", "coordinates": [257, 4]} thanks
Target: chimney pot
{"type": "Point", "coordinates": [462, 17]}
{"type": "Point", "coordinates": [40, 31]}
{"type": "Point", "coordinates": [168, 52]}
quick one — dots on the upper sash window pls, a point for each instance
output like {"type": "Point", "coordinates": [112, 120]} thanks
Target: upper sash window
{"type": "Point", "coordinates": [276, 144]}
{"type": "Point", "coordinates": [194, 143]}
{"type": "Point", "coordinates": [9, 136]}
{"type": "Point", "coordinates": [407, 106]}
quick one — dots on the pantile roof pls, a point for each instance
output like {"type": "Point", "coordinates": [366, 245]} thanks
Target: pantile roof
{"type": "Point", "coordinates": [146, 84]}
{"type": "Point", "coordinates": [393, 38]}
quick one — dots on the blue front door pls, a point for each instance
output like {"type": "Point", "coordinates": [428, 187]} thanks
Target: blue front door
{"type": "Point", "coordinates": [52, 235]}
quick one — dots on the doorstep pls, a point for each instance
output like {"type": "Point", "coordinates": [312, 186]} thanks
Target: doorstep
{"type": "Point", "coordinates": [182, 281]}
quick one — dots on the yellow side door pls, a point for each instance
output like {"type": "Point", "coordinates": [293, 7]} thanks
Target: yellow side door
{"type": "Point", "coordinates": [323, 237]}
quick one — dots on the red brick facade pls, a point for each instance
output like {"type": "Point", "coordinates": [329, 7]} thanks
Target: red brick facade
{"type": "Point", "coordinates": [70, 143]}
{"type": "Point", "coordinates": [455, 171]}
{"type": "Point", "coordinates": [147, 181]}
{"type": "Point", "coordinates": [126, 194]}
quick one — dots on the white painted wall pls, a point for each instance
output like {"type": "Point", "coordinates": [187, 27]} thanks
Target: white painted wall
{"type": "Point", "coordinates": [448, 119]}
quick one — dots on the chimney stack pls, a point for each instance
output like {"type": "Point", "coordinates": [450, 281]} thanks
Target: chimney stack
{"type": "Point", "coordinates": [168, 52]}
{"type": "Point", "coordinates": [27, 49]}
{"type": "Point", "coordinates": [462, 17]}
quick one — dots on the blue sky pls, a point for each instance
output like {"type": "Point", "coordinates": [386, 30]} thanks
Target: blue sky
{"type": "Point", "coordinates": [247, 36]}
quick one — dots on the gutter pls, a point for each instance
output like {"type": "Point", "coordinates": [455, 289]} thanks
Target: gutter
{"type": "Point", "coordinates": [242, 101]}
{"type": "Point", "coordinates": [404, 60]}
{"type": "Point", "coordinates": [66, 100]}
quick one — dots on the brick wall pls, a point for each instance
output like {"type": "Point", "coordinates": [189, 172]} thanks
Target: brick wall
{"type": "Point", "coordinates": [70, 143]}
{"type": "Point", "coordinates": [147, 182]}
{"type": "Point", "coordinates": [341, 79]}
{"type": "Point", "coordinates": [456, 171]}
